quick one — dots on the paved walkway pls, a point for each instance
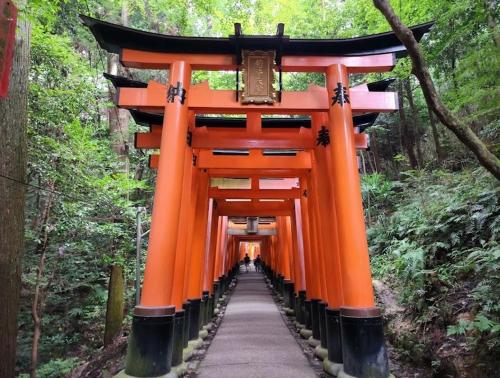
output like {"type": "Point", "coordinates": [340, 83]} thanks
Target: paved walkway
{"type": "Point", "coordinates": [252, 340]}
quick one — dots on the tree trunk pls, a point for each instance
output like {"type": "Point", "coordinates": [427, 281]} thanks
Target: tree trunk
{"type": "Point", "coordinates": [415, 123]}
{"type": "Point", "coordinates": [115, 306]}
{"type": "Point", "coordinates": [440, 155]}
{"type": "Point", "coordinates": [463, 132]}
{"type": "Point", "coordinates": [118, 129]}
{"type": "Point", "coordinates": [374, 150]}
{"type": "Point", "coordinates": [36, 315]}
{"type": "Point", "coordinates": [406, 135]}
{"type": "Point", "coordinates": [38, 298]}
{"type": "Point", "coordinates": [13, 121]}
{"type": "Point", "coordinates": [118, 118]}
{"type": "Point", "coordinates": [489, 7]}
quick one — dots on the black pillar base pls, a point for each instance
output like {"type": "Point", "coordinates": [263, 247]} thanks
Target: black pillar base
{"type": "Point", "coordinates": [216, 291]}
{"type": "Point", "coordinates": [307, 313]}
{"type": "Point", "coordinates": [211, 308]}
{"type": "Point", "coordinates": [203, 311]}
{"type": "Point", "coordinates": [281, 285]}
{"type": "Point", "coordinates": [206, 308]}
{"type": "Point", "coordinates": [149, 352]}
{"type": "Point", "coordinates": [288, 288]}
{"type": "Point", "coordinates": [363, 348]}
{"type": "Point", "coordinates": [187, 310]}
{"type": "Point", "coordinates": [194, 318]}
{"type": "Point", "coordinates": [333, 335]}
{"type": "Point", "coordinates": [223, 284]}
{"type": "Point", "coordinates": [300, 314]}
{"type": "Point", "coordinates": [178, 337]}
{"type": "Point", "coordinates": [315, 318]}
{"type": "Point", "coordinates": [322, 323]}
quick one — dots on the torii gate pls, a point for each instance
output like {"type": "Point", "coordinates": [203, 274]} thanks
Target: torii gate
{"type": "Point", "coordinates": [320, 250]}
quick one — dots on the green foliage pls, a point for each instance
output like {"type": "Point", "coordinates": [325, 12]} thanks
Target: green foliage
{"type": "Point", "coordinates": [57, 368]}
{"type": "Point", "coordinates": [378, 192]}
{"type": "Point", "coordinates": [92, 214]}
{"type": "Point", "coordinates": [439, 247]}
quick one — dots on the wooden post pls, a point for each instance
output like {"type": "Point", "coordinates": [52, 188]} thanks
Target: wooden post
{"type": "Point", "coordinates": [186, 221]}
{"type": "Point", "coordinates": [197, 248]}
{"type": "Point", "coordinates": [363, 347]}
{"type": "Point", "coordinates": [213, 221]}
{"type": "Point", "coordinates": [160, 261]}
{"type": "Point", "coordinates": [150, 352]}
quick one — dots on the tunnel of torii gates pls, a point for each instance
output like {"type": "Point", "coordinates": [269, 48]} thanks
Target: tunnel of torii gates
{"type": "Point", "coordinates": [287, 183]}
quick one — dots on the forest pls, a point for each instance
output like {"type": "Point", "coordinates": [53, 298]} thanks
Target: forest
{"type": "Point", "coordinates": [431, 208]}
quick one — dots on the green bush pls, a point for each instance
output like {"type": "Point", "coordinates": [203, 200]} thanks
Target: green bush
{"type": "Point", "coordinates": [55, 369]}
{"type": "Point", "coordinates": [437, 244]}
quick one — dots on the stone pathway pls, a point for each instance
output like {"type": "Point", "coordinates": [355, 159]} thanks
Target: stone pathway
{"type": "Point", "coordinates": [253, 340]}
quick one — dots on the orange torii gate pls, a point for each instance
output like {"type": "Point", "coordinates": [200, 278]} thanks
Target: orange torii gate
{"type": "Point", "coordinates": [319, 255]}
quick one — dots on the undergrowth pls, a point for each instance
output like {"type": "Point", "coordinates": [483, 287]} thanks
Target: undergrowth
{"type": "Point", "coordinates": [434, 238]}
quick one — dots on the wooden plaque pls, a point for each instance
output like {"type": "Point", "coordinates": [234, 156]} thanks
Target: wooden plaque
{"type": "Point", "coordinates": [258, 77]}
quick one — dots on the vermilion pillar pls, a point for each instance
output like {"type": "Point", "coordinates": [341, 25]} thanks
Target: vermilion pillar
{"type": "Point", "coordinates": [197, 250]}
{"type": "Point", "coordinates": [284, 248]}
{"type": "Point", "coordinates": [199, 239]}
{"type": "Point", "coordinates": [182, 259]}
{"type": "Point", "coordinates": [297, 233]}
{"type": "Point", "coordinates": [218, 250]}
{"type": "Point", "coordinates": [364, 353]}
{"type": "Point", "coordinates": [209, 269]}
{"type": "Point", "coordinates": [310, 282]}
{"type": "Point", "coordinates": [158, 275]}
{"type": "Point", "coordinates": [150, 346]}
{"type": "Point", "coordinates": [318, 221]}
{"type": "Point", "coordinates": [302, 244]}
{"type": "Point", "coordinates": [329, 317]}
{"type": "Point", "coordinates": [183, 255]}
{"type": "Point", "coordinates": [297, 261]}
{"type": "Point", "coordinates": [285, 253]}
{"type": "Point", "coordinates": [313, 290]}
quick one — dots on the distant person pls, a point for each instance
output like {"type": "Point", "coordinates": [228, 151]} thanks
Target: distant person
{"type": "Point", "coordinates": [246, 260]}
{"type": "Point", "coordinates": [258, 264]}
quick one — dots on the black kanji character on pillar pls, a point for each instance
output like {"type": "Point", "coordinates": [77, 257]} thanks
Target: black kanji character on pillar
{"type": "Point", "coordinates": [189, 138]}
{"type": "Point", "coordinates": [323, 137]}
{"type": "Point", "coordinates": [340, 95]}
{"type": "Point", "coordinates": [176, 91]}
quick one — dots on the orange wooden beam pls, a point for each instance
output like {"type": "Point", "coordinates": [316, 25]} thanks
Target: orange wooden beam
{"type": "Point", "coordinates": [253, 208]}
{"type": "Point", "coordinates": [220, 62]}
{"type": "Point", "coordinates": [255, 160]}
{"type": "Point", "coordinates": [265, 173]}
{"type": "Point", "coordinates": [254, 194]}
{"type": "Point", "coordinates": [202, 99]}
{"type": "Point", "coordinates": [204, 138]}
{"type": "Point", "coordinates": [278, 139]}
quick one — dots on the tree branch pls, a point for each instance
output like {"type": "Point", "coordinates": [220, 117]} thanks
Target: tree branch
{"type": "Point", "coordinates": [463, 132]}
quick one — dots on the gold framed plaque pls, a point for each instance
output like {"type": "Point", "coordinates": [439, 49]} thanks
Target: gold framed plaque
{"type": "Point", "coordinates": [258, 77]}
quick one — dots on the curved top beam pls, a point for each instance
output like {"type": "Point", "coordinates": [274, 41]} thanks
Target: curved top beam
{"type": "Point", "coordinates": [124, 82]}
{"type": "Point", "coordinates": [114, 38]}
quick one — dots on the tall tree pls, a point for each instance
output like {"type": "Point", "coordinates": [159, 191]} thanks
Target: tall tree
{"type": "Point", "coordinates": [415, 123]}
{"type": "Point", "coordinates": [118, 129]}
{"type": "Point", "coordinates": [13, 121]}
{"type": "Point", "coordinates": [420, 69]}
{"type": "Point", "coordinates": [407, 133]}
{"type": "Point", "coordinates": [440, 154]}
